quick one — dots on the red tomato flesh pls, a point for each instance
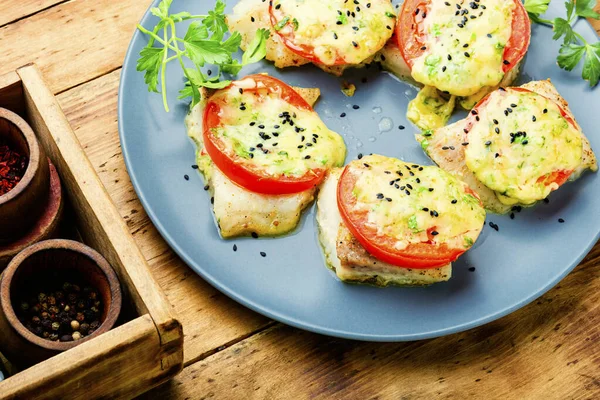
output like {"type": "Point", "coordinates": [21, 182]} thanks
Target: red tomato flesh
{"type": "Point", "coordinates": [423, 255]}
{"type": "Point", "coordinates": [558, 177]}
{"type": "Point", "coordinates": [243, 171]}
{"type": "Point", "coordinates": [411, 36]}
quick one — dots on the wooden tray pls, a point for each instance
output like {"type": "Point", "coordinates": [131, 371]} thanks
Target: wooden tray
{"type": "Point", "coordinates": [146, 349]}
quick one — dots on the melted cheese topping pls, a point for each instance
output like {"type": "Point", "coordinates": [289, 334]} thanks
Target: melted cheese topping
{"type": "Point", "coordinates": [337, 28]}
{"type": "Point", "coordinates": [405, 201]}
{"type": "Point", "coordinates": [520, 138]}
{"type": "Point", "coordinates": [464, 45]}
{"type": "Point", "coordinates": [429, 110]}
{"type": "Point", "coordinates": [275, 135]}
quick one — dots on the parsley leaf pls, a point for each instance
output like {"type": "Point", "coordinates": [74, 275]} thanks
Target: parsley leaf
{"type": "Point", "coordinates": [257, 49]}
{"type": "Point", "coordinates": [215, 22]}
{"type": "Point", "coordinates": [591, 66]}
{"type": "Point", "coordinates": [563, 27]}
{"type": "Point", "coordinates": [574, 47]}
{"type": "Point", "coordinates": [149, 63]}
{"type": "Point", "coordinates": [205, 42]}
{"type": "Point", "coordinates": [585, 8]}
{"type": "Point", "coordinates": [536, 7]}
{"type": "Point", "coordinates": [569, 56]}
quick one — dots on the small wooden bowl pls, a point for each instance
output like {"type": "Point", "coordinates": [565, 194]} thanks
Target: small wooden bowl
{"type": "Point", "coordinates": [59, 260]}
{"type": "Point", "coordinates": [22, 206]}
{"type": "Point", "coordinates": [46, 227]}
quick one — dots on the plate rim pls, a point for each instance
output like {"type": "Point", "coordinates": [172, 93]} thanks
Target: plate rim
{"type": "Point", "coordinates": [263, 310]}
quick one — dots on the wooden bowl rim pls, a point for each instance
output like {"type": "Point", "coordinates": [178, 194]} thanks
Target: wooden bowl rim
{"type": "Point", "coordinates": [69, 245]}
{"type": "Point", "coordinates": [34, 154]}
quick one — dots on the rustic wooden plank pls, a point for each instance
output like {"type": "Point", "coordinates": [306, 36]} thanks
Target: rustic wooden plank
{"type": "Point", "coordinates": [11, 97]}
{"type": "Point", "coordinates": [13, 10]}
{"type": "Point", "coordinates": [548, 349]}
{"type": "Point", "coordinates": [210, 319]}
{"type": "Point", "coordinates": [122, 364]}
{"type": "Point", "coordinates": [81, 40]}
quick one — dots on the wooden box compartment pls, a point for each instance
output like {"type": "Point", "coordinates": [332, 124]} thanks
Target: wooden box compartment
{"type": "Point", "coordinates": [146, 347]}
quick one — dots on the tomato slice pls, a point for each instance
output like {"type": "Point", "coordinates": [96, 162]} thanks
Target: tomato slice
{"type": "Point", "coordinates": [558, 177]}
{"type": "Point", "coordinates": [288, 36]}
{"type": "Point", "coordinates": [423, 255]}
{"type": "Point", "coordinates": [241, 170]}
{"type": "Point", "coordinates": [411, 36]}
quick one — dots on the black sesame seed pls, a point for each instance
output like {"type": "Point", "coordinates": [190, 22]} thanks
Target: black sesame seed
{"type": "Point", "coordinates": [467, 54]}
{"type": "Point", "coordinates": [366, 165]}
{"type": "Point", "coordinates": [380, 196]}
{"type": "Point", "coordinates": [431, 189]}
{"type": "Point", "coordinates": [497, 130]}
{"type": "Point", "coordinates": [425, 209]}
{"type": "Point", "coordinates": [545, 111]}
{"type": "Point", "coordinates": [454, 201]}
{"type": "Point", "coordinates": [407, 192]}
{"type": "Point", "coordinates": [506, 62]}
{"type": "Point", "coordinates": [496, 121]}
{"type": "Point", "coordinates": [472, 269]}
{"type": "Point", "coordinates": [546, 200]}
{"type": "Point", "coordinates": [434, 233]}
{"type": "Point", "coordinates": [307, 157]}
{"type": "Point", "coordinates": [356, 107]}
{"type": "Point", "coordinates": [254, 235]}
{"type": "Point", "coordinates": [401, 127]}
{"type": "Point", "coordinates": [388, 199]}
{"type": "Point", "coordinates": [186, 177]}
{"type": "Point", "coordinates": [494, 226]}
{"type": "Point", "coordinates": [512, 215]}
{"type": "Point", "coordinates": [444, 68]}
{"type": "Point", "coordinates": [488, 143]}
{"type": "Point", "coordinates": [263, 254]}
{"type": "Point", "coordinates": [252, 123]}
{"type": "Point", "coordinates": [360, 156]}
{"type": "Point", "coordinates": [561, 221]}
{"type": "Point", "coordinates": [354, 44]}
{"type": "Point", "coordinates": [194, 166]}
{"type": "Point", "coordinates": [206, 187]}
{"type": "Point", "coordinates": [465, 143]}
{"type": "Point", "coordinates": [235, 247]}
{"type": "Point", "coordinates": [534, 118]}
{"type": "Point", "coordinates": [212, 200]}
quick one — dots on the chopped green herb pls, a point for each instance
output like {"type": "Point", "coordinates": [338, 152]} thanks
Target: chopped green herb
{"type": "Point", "coordinates": [281, 24]}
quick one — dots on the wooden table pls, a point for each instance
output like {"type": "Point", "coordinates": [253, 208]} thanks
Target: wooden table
{"type": "Point", "coordinates": [549, 349]}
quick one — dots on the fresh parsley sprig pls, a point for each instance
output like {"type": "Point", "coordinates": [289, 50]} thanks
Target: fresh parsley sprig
{"type": "Point", "coordinates": [204, 43]}
{"type": "Point", "coordinates": [574, 46]}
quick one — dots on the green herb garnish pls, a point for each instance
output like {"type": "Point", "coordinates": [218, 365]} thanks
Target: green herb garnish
{"type": "Point", "coordinates": [204, 43]}
{"type": "Point", "coordinates": [279, 26]}
{"type": "Point", "coordinates": [574, 46]}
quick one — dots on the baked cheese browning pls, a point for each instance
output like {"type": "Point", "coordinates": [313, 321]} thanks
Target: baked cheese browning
{"type": "Point", "coordinates": [275, 135]}
{"type": "Point", "coordinates": [415, 204]}
{"type": "Point", "coordinates": [335, 32]}
{"type": "Point", "coordinates": [239, 211]}
{"type": "Point", "coordinates": [464, 45]}
{"type": "Point", "coordinates": [518, 141]}
{"type": "Point", "coordinates": [350, 261]}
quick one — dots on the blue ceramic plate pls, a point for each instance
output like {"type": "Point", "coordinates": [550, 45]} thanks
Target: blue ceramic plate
{"type": "Point", "coordinates": [513, 266]}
